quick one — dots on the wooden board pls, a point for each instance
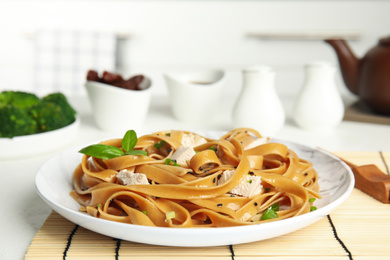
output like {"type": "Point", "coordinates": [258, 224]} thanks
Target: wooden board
{"type": "Point", "coordinates": [360, 112]}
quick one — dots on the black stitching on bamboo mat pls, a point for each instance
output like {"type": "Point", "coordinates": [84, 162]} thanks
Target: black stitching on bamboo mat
{"type": "Point", "coordinates": [231, 251]}
{"type": "Point", "coordinates": [338, 239]}
{"type": "Point", "coordinates": [69, 241]}
{"type": "Point", "coordinates": [384, 162]}
{"type": "Point", "coordinates": [118, 246]}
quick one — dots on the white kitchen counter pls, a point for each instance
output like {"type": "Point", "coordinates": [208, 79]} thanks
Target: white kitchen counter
{"type": "Point", "coordinates": [23, 212]}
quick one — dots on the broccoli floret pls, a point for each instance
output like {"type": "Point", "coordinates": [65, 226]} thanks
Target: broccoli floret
{"type": "Point", "coordinates": [15, 121]}
{"type": "Point", "coordinates": [18, 99]}
{"type": "Point", "coordinates": [23, 113]}
{"type": "Point", "coordinates": [53, 112]}
{"type": "Point", "coordinates": [60, 100]}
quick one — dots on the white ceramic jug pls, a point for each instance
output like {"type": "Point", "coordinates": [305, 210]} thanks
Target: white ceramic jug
{"type": "Point", "coordinates": [195, 95]}
{"type": "Point", "coordinates": [258, 105]}
{"type": "Point", "coordinates": [319, 106]}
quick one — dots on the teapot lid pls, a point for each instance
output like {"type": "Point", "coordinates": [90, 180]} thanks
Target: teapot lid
{"type": "Point", "coordinates": [385, 41]}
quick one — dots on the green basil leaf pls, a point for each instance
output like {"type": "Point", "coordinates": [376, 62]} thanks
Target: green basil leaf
{"type": "Point", "coordinates": [129, 140]}
{"type": "Point", "coordinates": [137, 152]}
{"type": "Point", "coordinates": [102, 151]}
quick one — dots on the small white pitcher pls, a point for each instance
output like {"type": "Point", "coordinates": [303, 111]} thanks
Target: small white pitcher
{"type": "Point", "coordinates": [195, 95]}
{"type": "Point", "coordinates": [319, 106]}
{"type": "Point", "coordinates": [258, 105]}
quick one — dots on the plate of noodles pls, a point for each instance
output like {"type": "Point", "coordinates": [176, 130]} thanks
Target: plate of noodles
{"type": "Point", "coordinates": [178, 188]}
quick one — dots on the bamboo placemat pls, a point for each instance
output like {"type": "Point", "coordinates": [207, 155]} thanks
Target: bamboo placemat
{"type": "Point", "coordinates": [358, 229]}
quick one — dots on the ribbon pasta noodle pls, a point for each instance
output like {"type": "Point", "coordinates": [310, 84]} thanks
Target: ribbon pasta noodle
{"type": "Point", "coordinates": [187, 180]}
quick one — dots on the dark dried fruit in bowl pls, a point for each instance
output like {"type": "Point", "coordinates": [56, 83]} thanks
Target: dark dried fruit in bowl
{"type": "Point", "coordinates": [93, 76]}
{"type": "Point", "coordinates": [133, 83]}
{"type": "Point", "coordinates": [109, 77]}
{"type": "Point", "coordinates": [138, 82]}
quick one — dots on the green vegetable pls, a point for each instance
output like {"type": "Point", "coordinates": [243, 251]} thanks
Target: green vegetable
{"type": "Point", "coordinates": [53, 112]}
{"type": "Point", "coordinates": [313, 208]}
{"type": "Point", "coordinates": [60, 100]}
{"type": "Point", "coordinates": [212, 148]}
{"type": "Point", "coordinates": [270, 213]}
{"type": "Point", "coordinates": [171, 162]}
{"type": "Point", "coordinates": [16, 122]}
{"type": "Point", "coordinates": [275, 206]}
{"type": "Point", "coordinates": [23, 113]}
{"type": "Point", "coordinates": [137, 152]}
{"type": "Point", "coordinates": [159, 144]}
{"type": "Point", "coordinates": [104, 151]}
{"type": "Point", "coordinates": [129, 140]}
{"type": "Point", "coordinates": [170, 215]}
{"type": "Point", "coordinates": [18, 99]}
{"type": "Point", "coordinates": [312, 199]}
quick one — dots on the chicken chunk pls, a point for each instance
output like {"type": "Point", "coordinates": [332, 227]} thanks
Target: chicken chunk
{"type": "Point", "coordinates": [257, 142]}
{"type": "Point", "coordinates": [249, 187]}
{"type": "Point", "coordinates": [126, 177]}
{"type": "Point", "coordinates": [192, 140]}
{"type": "Point", "coordinates": [182, 155]}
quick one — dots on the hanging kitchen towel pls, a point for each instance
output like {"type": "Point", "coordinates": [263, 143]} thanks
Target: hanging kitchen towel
{"type": "Point", "coordinates": [62, 59]}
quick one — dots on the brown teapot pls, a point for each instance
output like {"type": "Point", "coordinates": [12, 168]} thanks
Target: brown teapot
{"type": "Point", "coordinates": [368, 77]}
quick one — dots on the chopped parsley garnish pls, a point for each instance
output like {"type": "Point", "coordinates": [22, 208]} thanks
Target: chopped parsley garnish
{"type": "Point", "coordinates": [212, 148]}
{"type": "Point", "coordinates": [159, 144]}
{"type": "Point", "coordinates": [169, 161]}
{"type": "Point", "coordinates": [270, 213]}
{"type": "Point", "coordinates": [275, 206]}
{"type": "Point", "coordinates": [170, 215]}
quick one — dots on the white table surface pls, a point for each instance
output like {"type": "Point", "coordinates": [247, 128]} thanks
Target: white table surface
{"type": "Point", "coordinates": [23, 212]}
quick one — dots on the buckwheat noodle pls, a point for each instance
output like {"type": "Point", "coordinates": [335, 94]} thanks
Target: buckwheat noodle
{"type": "Point", "coordinates": [193, 194]}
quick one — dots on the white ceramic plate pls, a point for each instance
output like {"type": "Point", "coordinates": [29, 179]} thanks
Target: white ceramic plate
{"type": "Point", "coordinates": [54, 182]}
{"type": "Point", "coordinates": [36, 144]}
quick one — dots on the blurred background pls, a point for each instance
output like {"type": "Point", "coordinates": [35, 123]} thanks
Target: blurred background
{"type": "Point", "coordinates": [130, 36]}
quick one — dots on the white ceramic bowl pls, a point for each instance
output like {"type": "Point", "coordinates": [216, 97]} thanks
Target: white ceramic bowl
{"type": "Point", "coordinates": [116, 109]}
{"type": "Point", "coordinates": [195, 95]}
{"type": "Point", "coordinates": [37, 144]}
